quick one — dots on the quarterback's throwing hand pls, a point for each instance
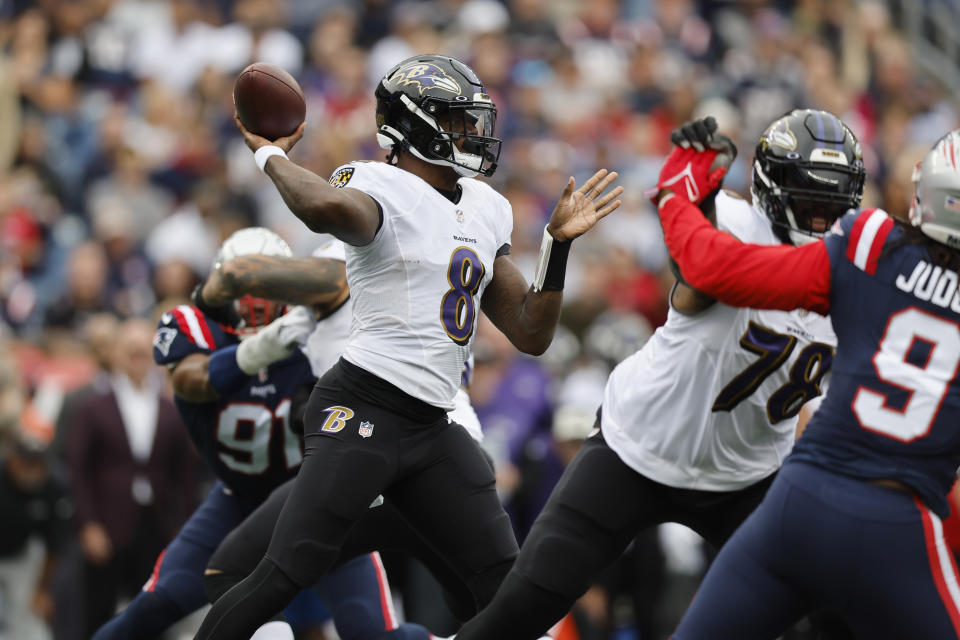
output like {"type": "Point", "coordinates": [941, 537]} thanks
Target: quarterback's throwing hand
{"type": "Point", "coordinates": [255, 142]}
{"type": "Point", "coordinates": [578, 210]}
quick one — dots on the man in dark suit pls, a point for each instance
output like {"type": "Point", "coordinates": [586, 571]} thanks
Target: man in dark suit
{"type": "Point", "coordinates": [132, 473]}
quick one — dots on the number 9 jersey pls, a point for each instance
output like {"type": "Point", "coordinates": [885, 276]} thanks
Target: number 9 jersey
{"type": "Point", "coordinates": [891, 411]}
{"type": "Point", "coordinates": [427, 267]}
{"type": "Point", "coordinates": [711, 401]}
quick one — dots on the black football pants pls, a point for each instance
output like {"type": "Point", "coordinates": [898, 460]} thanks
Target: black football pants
{"type": "Point", "coordinates": [356, 449]}
{"type": "Point", "coordinates": [595, 511]}
{"type": "Point", "coordinates": [382, 528]}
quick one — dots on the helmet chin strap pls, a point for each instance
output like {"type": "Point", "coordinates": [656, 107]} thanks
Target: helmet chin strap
{"type": "Point", "coordinates": [799, 239]}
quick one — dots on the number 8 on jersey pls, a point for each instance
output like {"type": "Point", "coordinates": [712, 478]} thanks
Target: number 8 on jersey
{"type": "Point", "coordinates": [458, 312]}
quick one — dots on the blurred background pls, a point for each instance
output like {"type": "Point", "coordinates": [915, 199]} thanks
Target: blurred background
{"type": "Point", "coordinates": [121, 171]}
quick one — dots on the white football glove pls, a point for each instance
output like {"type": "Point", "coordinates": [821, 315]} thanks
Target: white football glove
{"type": "Point", "coordinates": [276, 341]}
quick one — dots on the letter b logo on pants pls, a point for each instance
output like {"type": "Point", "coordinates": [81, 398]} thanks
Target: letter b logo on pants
{"type": "Point", "coordinates": [336, 419]}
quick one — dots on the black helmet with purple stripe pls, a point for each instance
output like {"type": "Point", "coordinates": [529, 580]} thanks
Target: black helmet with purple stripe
{"type": "Point", "coordinates": [807, 172]}
{"type": "Point", "coordinates": [436, 108]}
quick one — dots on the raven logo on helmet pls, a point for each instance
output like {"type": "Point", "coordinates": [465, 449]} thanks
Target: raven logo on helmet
{"type": "Point", "coordinates": [436, 109]}
{"type": "Point", "coordinates": [426, 76]}
{"type": "Point", "coordinates": [779, 134]}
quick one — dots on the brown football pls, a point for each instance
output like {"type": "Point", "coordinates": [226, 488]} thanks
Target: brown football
{"type": "Point", "coordinates": [269, 101]}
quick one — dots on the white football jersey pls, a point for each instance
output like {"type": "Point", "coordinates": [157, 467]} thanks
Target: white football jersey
{"type": "Point", "coordinates": [416, 287]}
{"type": "Point", "coordinates": [329, 338]}
{"type": "Point", "coordinates": [711, 401]}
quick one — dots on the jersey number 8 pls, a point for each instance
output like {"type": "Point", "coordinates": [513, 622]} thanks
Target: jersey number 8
{"type": "Point", "coordinates": [458, 313]}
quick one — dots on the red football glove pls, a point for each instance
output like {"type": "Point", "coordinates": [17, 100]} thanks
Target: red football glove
{"type": "Point", "coordinates": [692, 174]}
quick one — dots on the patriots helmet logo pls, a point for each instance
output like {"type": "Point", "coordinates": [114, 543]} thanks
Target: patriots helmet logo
{"type": "Point", "coordinates": [426, 76]}
{"type": "Point", "coordinates": [163, 339]}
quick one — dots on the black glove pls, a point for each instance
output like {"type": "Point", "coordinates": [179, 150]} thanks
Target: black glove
{"type": "Point", "coordinates": [225, 314]}
{"type": "Point", "coordinates": [696, 134]}
{"type": "Point", "coordinates": [702, 135]}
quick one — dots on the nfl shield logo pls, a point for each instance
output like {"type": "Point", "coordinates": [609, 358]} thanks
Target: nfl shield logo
{"type": "Point", "coordinates": [366, 429]}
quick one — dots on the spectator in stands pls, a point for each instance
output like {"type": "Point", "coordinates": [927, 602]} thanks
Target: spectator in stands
{"type": "Point", "coordinates": [131, 474]}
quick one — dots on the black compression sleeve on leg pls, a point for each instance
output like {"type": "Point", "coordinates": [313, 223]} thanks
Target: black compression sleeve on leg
{"type": "Point", "coordinates": [252, 602]}
{"type": "Point", "coordinates": [520, 609]}
{"type": "Point", "coordinates": [217, 584]}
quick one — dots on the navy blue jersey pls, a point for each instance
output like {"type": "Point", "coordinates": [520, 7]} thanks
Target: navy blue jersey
{"type": "Point", "coordinates": [246, 437]}
{"type": "Point", "coordinates": [893, 407]}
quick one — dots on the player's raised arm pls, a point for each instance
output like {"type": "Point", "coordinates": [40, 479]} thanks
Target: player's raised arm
{"type": "Point", "coordinates": [349, 214]}
{"type": "Point", "coordinates": [719, 265]}
{"type": "Point", "coordinates": [320, 283]}
{"type": "Point", "coordinates": [529, 315]}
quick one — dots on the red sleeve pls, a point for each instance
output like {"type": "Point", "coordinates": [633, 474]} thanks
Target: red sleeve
{"type": "Point", "coordinates": [745, 275]}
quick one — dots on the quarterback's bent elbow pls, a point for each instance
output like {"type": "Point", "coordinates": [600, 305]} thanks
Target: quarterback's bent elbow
{"type": "Point", "coordinates": [534, 344]}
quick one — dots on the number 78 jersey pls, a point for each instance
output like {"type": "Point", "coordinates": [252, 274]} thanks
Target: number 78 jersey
{"type": "Point", "coordinates": [416, 287]}
{"type": "Point", "coordinates": [711, 401]}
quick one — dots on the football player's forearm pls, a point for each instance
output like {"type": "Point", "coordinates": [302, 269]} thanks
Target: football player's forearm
{"type": "Point", "coordinates": [311, 282]}
{"type": "Point", "coordinates": [527, 317]}
{"type": "Point", "coordinates": [760, 276]}
{"type": "Point", "coordinates": [322, 208]}
{"type": "Point", "coordinates": [538, 320]}
{"type": "Point", "coordinates": [191, 379]}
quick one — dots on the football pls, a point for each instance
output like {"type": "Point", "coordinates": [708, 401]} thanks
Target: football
{"type": "Point", "coordinates": [269, 101]}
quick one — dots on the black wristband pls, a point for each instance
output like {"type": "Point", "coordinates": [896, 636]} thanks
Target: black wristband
{"type": "Point", "coordinates": [556, 266]}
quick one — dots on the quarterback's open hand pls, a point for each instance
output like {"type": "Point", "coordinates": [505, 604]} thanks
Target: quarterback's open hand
{"type": "Point", "coordinates": [255, 142]}
{"type": "Point", "coordinates": [579, 210]}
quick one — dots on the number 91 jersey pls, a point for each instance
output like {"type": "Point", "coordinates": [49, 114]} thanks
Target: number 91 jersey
{"type": "Point", "coordinates": [416, 287]}
{"type": "Point", "coordinates": [711, 401]}
{"type": "Point", "coordinates": [245, 437]}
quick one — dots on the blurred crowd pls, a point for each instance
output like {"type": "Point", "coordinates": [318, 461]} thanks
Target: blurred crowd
{"type": "Point", "coordinates": [121, 171]}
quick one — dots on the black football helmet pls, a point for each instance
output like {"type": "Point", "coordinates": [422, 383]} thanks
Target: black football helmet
{"type": "Point", "coordinates": [807, 172]}
{"type": "Point", "coordinates": [435, 107]}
